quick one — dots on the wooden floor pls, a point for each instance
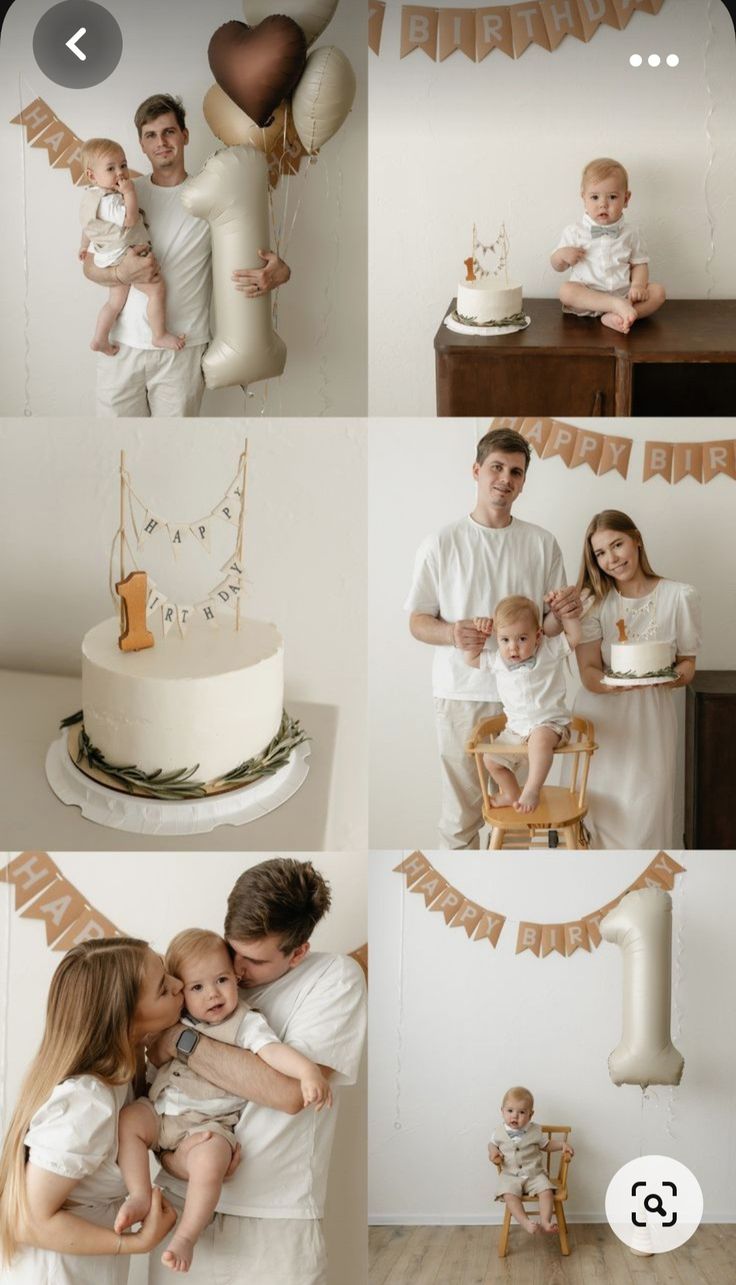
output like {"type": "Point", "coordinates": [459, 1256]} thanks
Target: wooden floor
{"type": "Point", "coordinates": [469, 1256]}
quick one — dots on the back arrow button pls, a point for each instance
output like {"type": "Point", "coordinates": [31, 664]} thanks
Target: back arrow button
{"type": "Point", "coordinates": [72, 44]}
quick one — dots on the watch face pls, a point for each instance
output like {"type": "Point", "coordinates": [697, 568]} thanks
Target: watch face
{"type": "Point", "coordinates": [187, 1042]}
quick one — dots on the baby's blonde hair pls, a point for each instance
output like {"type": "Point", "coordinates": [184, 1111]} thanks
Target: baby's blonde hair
{"type": "Point", "coordinates": [190, 945]}
{"type": "Point", "coordinates": [519, 1094]}
{"type": "Point", "coordinates": [510, 609]}
{"type": "Point", "coordinates": [600, 168]}
{"type": "Point", "coordinates": [95, 148]}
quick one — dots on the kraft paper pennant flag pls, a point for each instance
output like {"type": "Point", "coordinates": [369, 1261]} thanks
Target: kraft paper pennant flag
{"type": "Point", "coordinates": [30, 873]}
{"type": "Point", "coordinates": [658, 460]}
{"type": "Point", "coordinates": [687, 461]}
{"type": "Point", "coordinates": [536, 430]}
{"type": "Point", "coordinates": [36, 117]}
{"type": "Point", "coordinates": [71, 160]}
{"type": "Point", "coordinates": [59, 906]}
{"type": "Point", "coordinates": [419, 30]}
{"type": "Point", "coordinates": [719, 457]}
{"type": "Point", "coordinates": [615, 455]}
{"type": "Point", "coordinates": [413, 867]}
{"type": "Point", "coordinates": [90, 926]}
{"type": "Point", "coordinates": [449, 902]}
{"type": "Point", "coordinates": [493, 31]}
{"type": "Point", "coordinates": [529, 937]}
{"type": "Point", "coordinates": [430, 886]}
{"type": "Point", "coordinates": [576, 937]}
{"type": "Point", "coordinates": [456, 29]}
{"type": "Point", "coordinates": [376, 12]}
{"type": "Point", "coordinates": [592, 922]}
{"type": "Point", "coordinates": [468, 916]}
{"type": "Point", "coordinates": [561, 441]}
{"type": "Point", "coordinates": [55, 139]}
{"type": "Point", "coordinates": [507, 421]}
{"type": "Point", "coordinates": [625, 10]}
{"type": "Point", "coordinates": [553, 939]}
{"type": "Point", "coordinates": [490, 927]}
{"type": "Point", "coordinates": [588, 449]}
{"type": "Point", "coordinates": [527, 27]}
{"type": "Point", "coordinates": [665, 868]}
{"type": "Point", "coordinates": [561, 18]}
{"type": "Point", "coordinates": [593, 13]}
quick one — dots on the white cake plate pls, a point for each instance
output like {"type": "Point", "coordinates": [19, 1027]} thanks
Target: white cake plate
{"type": "Point", "coordinates": [484, 332]}
{"type": "Point", "coordinates": [122, 811]}
{"type": "Point", "coordinates": [635, 682]}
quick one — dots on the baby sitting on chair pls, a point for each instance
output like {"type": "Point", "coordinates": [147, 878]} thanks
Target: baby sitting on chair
{"type": "Point", "coordinates": [521, 1147]}
{"type": "Point", "coordinates": [610, 266]}
{"type": "Point", "coordinates": [531, 688]}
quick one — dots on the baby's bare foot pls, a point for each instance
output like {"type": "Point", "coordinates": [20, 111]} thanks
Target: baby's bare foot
{"type": "Point", "coordinates": [133, 1210]}
{"type": "Point", "coordinates": [550, 1228]}
{"type": "Point", "coordinates": [176, 342]}
{"type": "Point", "coordinates": [503, 800]}
{"type": "Point", "coordinates": [531, 1227]}
{"type": "Point", "coordinates": [528, 800]}
{"type": "Point", "coordinates": [104, 345]}
{"type": "Point", "coordinates": [179, 1254]}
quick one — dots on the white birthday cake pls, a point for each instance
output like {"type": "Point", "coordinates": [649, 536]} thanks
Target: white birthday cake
{"type": "Point", "coordinates": [211, 700]}
{"type": "Point", "coordinates": [484, 302]}
{"type": "Point", "coordinates": [640, 659]}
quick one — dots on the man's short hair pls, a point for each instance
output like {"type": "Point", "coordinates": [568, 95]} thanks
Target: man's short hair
{"type": "Point", "coordinates": [159, 105]}
{"type": "Point", "coordinates": [602, 167]}
{"type": "Point", "coordinates": [282, 896]}
{"type": "Point", "coordinates": [506, 440]}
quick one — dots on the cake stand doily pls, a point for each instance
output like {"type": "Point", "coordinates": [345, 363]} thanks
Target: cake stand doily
{"type": "Point", "coordinates": [637, 682]}
{"type": "Point", "coordinates": [483, 332]}
{"type": "Point", "coordinates": [122, 811]}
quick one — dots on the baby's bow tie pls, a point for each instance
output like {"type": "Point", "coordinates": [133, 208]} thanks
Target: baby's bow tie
{"type": "Point", "coordinates": [612, 230]}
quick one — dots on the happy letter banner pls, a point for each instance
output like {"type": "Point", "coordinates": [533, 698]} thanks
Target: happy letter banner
{"type": "Point", "coordinates": [482, 924]}
{"type": "Point", "coordinates": [41, 888]}
{"type": "Point", "coordinates": [511, 28]}
{"type": "Point", "coordinates": [62, 146]}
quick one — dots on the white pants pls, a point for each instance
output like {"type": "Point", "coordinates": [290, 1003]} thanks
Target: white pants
{"type": "Point", "coordinates": [145, 382]}
{"type": "Point", "coordinates": [252, 1251]}
{"type": "Point", "coordinates": [461, 816]}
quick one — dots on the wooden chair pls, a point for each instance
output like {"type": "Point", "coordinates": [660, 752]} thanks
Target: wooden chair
{"type": "Point", "coordinates": [561, 807]}
{"type": "Point", "coordinates": [557, 1167]}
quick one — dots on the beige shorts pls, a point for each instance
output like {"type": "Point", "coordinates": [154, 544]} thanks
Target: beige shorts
{"type": "Point", "coordinates": [511, 1185]}
{"type": "Point", "coordinates": [621, 292]}
{"type": "Point", "coordinates": [173, 1129]}
{"type": "Point", "coordinates": [515, 738]}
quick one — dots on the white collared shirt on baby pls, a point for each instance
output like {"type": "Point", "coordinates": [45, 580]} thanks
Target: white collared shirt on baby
{"type": "Point", "coordinates": [608, 259]}
{"type": "Point", "coordinates": [532, 694]}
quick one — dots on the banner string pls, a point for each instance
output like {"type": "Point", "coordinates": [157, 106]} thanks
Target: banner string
{"type": "Point", "coordinates": [710, 152]}
{"type": "Point", "coordinates": [26, 266]}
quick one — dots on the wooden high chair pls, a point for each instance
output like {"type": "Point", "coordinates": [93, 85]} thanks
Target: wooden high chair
{"type": "Point", "coordinates": [557, 1166]}
{"type": "Point", "coordinates": [561, 807]}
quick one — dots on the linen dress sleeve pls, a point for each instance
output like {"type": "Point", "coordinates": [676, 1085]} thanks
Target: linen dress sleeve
{"type": "Point", "coordinates": [424, 592]}
{"type": "Point", "coordinates": [688, 628]}
{"type": "Point", "coordinates": [592, 624]}
{"type": "Point", "coordinates": [75, 1130]}
{"type": "Point", "coordinates": [328, 1024]}
{"type": "Point", "coordinates": [112, 208]}
{"type": "Point", "coordinates": [254, 1032]}
{"type": "Point", "coordinates": [638, 249]}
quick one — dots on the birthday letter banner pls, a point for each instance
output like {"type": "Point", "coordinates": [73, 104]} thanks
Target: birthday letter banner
{"type": "Point", "coordinates": [605, 452]}
{"type": "Point", "coordinates": [482, 924]}
{"type": "Point", "coordinates": [476, 32]}
{"type": "Point", "coordinates": [62, 146]}
{"type": "Point", "coordinates": [42, 892]}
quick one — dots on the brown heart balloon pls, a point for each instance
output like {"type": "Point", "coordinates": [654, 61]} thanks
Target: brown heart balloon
{"type": "Point", "coordinates": [258, 66]}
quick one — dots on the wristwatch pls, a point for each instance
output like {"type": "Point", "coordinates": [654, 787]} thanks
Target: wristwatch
{"type": "Point", "coordinates": [186, 1044]}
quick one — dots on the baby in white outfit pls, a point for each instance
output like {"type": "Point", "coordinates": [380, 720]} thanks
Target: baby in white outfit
{"type": "Point", "coordinates": [531, 687]}
{"type": "Point", "coordinates": [610, 266]}
{"type": "Point", "coordinates": [112, 223]}
{"type": "Point", "coordinates": [520, 1148]}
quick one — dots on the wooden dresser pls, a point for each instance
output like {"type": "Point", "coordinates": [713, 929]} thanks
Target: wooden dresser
{"type": "Point", "coordinates": [681, 361]}
{"type": "Point", "coordinates": [710, 760]}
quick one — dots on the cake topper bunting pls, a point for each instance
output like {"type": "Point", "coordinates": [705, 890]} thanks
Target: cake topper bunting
{"type": "Point", "coordinates": [499, 248]}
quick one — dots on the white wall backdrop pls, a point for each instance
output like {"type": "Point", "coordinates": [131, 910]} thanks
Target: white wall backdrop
{"type": "Point", "coordinates": [305, 550]}
{"type": "Point", "coordinates": [455, 143]}
{"type": "Point", "coordinates": [454, 1024]}
{"type": "Point", "coordinates": [419, 480]}
{"type": "Point", "coordinates": [46, 364]}
{"type": "Point", "coordinates": [155, 895]}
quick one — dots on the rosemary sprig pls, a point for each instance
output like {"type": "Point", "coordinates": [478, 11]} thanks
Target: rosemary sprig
{"type": "Point", "coordinates": [518, 319]}
{"type": "Point", "coordinates": [669, 672]}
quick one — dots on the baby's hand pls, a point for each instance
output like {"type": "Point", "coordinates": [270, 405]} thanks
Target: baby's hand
{"type": "Point", "coordinates": [125, 185]}
{"type": "Point", "coordinates": [638, 294]}
{"type": "Point", "coordinates": [572, 254]}
{"type": "Point", "coordinates": [484, 625]}
{"type": "Point", "coordinates": [567, 1149]}
{"type": "Point", "coordinates": [316, 1092]}
{"type": "Point", "coordinates": [494, 1155]}
{"type": "Point", "coordinates": [82, 253]}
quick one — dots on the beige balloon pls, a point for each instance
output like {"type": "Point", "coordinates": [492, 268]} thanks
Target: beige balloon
{"type": "Point", "coordinates": [323, 97]}
{"type": "Point", "coordinates": [312, 15]}
{"type": "Point", "coordinates": [641, 925]}
{"type": "Point", "coordinates": [230, 124]}
{"type": "Point", "coordinates": [231, 192]}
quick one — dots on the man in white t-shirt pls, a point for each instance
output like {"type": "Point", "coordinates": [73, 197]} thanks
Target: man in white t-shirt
{"type": "Point", "coordinates": [142, 380]}
{"type": "Point", "coordinates": [267, 1230]}
{"type": "Point", "coordinates": [460, 574]}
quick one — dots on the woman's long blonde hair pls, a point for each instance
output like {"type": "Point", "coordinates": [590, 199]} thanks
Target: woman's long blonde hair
{"type": "Point", "coordinates": [591, 577]}
{"type": "Point", "coordinates": [89, 1019]}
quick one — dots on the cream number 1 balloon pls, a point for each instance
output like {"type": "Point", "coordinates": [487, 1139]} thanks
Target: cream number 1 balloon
{"type": "Point", "coordinates": [641, 925]}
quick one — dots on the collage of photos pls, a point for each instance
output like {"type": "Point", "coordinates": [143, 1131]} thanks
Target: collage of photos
{"type": "Point", "coordinates": [367, 660]}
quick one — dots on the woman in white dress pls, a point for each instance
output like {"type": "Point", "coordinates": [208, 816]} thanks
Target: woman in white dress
{"type": "Point", "coordinates": [632, 777]}
{"type": "Point", "coordinates": [60, 1184]}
